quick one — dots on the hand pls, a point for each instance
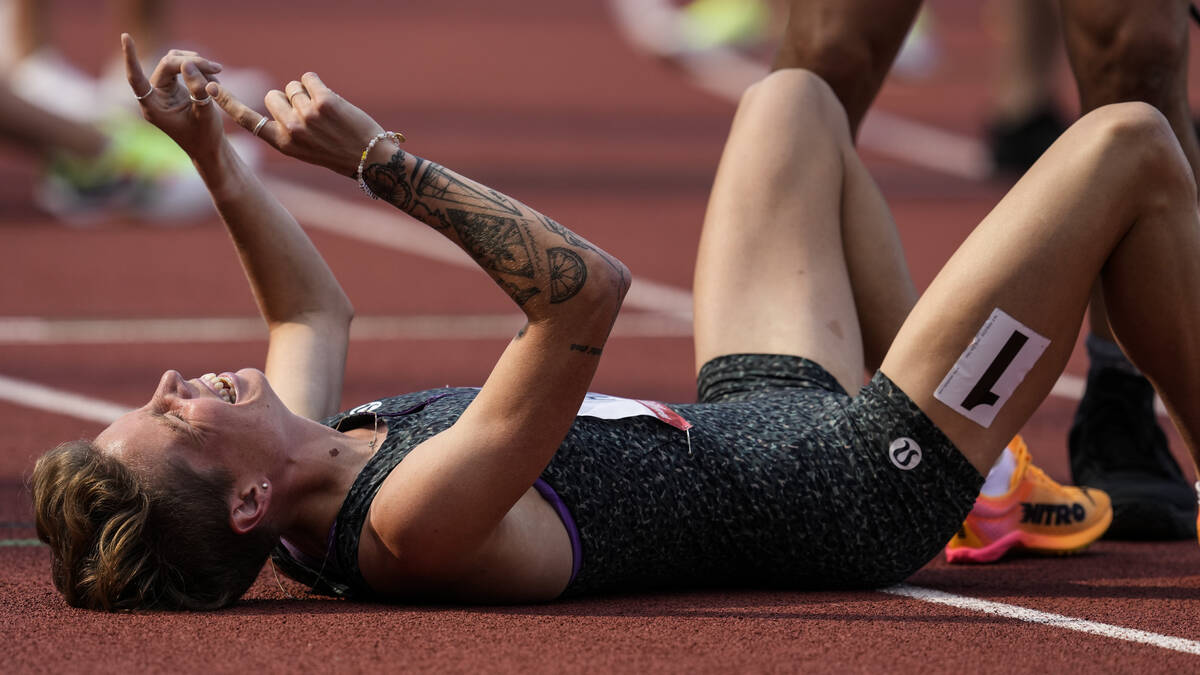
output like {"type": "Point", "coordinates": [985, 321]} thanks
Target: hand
{"type": "Point", "coordinates": [310, 122]}
{"type": "Point", "coordinates": [178, 108]}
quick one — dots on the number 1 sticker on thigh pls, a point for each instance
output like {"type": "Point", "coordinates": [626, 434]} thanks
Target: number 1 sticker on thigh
{"type": "Point", "coordinates": [988, 372]}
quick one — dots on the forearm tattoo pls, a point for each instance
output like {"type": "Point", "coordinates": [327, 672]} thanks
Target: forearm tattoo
{"type": "Point", "coordinates": [498, 232]}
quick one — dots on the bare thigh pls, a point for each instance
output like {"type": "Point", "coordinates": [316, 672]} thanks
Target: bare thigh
{"type": "Point", "coordinates": [794, 232]}
{"type": "Point", "coordinates": [1111, 197]}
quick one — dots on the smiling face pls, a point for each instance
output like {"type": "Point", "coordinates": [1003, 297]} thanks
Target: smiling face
{"type": "Point", "coordinates": [233, 421]}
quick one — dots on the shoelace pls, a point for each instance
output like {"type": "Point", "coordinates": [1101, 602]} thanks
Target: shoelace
{"type": "Point", "coordinates": [1025, 464]}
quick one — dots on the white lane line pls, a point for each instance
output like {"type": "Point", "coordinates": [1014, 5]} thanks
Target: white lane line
{"type": "Point", "coordinates": [925, 146]}
{"type": "Point", "coordinates": [21, 330]}
{"type": "Point", "coordinates": [1045, 618]}
{"type": "Point", "coordinates": [32, 395]}
{"type": "Point", "coordinates": [25, 330]}
{"type": "Point", "coordinates": [657, 27]}
{"type": "Point", "coordinates": [43, 331]}
{"type": "Point", "coordinates": [398, 231]}
{"type": "Point", "coordinates": [20, 543]}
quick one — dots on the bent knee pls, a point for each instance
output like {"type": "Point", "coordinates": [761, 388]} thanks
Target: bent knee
{"type": "Point", "coordinates": [799, 95]}
{"type": "Point", "coordinates": [1138, 135]}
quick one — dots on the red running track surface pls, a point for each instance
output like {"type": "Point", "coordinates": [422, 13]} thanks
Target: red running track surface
{"type": "Point", "coordinates": [546, 101]}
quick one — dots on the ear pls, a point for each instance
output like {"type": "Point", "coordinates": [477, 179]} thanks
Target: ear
{"type": "Point", "coordinates": [248, 506]}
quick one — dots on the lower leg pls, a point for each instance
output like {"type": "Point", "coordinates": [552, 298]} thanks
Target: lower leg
{"type": "Point", "coordinates": [1124, 51]}
{"type": "Point", "coordinates": [884, 292]}
{"type": "Point", "coordinates": [849, 43]}
{"type": "Point", "coordinates": [1024, 83]}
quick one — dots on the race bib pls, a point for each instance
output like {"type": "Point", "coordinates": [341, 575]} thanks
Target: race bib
{"type": "Point", "coordinates": [607, 407]}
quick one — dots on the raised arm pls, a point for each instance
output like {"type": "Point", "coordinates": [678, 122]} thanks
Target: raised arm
{"type": "Point", "coordinates": [569, 290]}
{"type": "Point", "coordinates": [307, 314]}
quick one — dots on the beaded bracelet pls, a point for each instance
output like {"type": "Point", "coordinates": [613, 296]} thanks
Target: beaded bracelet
{"type": "Point", "coordinates": [396, 137]}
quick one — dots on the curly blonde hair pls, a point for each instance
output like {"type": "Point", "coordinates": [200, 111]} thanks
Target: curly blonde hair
{"type": "Point", "coordinates": [119, 540]}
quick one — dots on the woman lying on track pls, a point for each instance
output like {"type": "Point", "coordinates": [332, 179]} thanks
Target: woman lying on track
{"type": "Point", "coordinates": [792, 473]}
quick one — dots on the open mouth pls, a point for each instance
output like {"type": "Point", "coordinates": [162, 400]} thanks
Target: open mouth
{"type": "Point", "coordinates": [221, 385]}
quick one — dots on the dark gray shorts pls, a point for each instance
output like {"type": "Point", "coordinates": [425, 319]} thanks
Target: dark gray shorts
{"type": "Point", "coordinates": [784, 480]}
{"type": "Point", "coordinates": [892, 487]}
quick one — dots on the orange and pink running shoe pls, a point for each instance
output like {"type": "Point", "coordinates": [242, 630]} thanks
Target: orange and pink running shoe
{"type": "Point", "coordinates": [1036, 514]}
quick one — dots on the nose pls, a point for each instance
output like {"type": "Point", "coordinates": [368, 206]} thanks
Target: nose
{"type": "Point", "coordinates": [172, 382]}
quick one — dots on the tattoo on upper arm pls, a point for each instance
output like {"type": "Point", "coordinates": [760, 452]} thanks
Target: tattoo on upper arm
{"type": "Point", "coordinates": [590, 351]}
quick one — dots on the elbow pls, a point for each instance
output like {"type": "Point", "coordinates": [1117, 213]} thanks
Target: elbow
{"type": "Point", "coordinates": [343, 309]}
{"type": "Point", "coordinates": [606, 293]}
{"type": "Point", "coordinates": [622, 281]}
{"type": "Point", "coordinates": [334, 307]}
{"type": "Point", "coordinates": [589, 285]}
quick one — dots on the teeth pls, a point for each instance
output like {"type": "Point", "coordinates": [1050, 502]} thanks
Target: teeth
{"type": "Point", "coordinates": [226, 389]}
{"type": "Point", "coordinates": [222, 386]}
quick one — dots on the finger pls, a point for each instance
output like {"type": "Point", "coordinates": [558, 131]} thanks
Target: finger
{"type": "Point", "coordinates": [133, 67]}
{"type": "Point", "coordinates": [297, 95]}
{"type": "Point", "coordinates": [207, 69]}
{"type": "Point", "coordinates": [165, 74]}
{"type": "Point", "coordinates": [280, 109]}
{"type": "Point", "coordinates": [245, 116]}
{"type": "Point", "coordinates": [315, 87]}
{"type": "Point", "coordinates": [195, 82]}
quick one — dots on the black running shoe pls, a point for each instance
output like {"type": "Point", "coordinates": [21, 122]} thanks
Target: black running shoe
{"type": "Point", "coordinates": [1016, 145]}
{"type": "Point", "coordinates": [1117, 446]}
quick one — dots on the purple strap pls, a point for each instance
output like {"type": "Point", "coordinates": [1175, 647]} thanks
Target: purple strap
{"type": "Point", "coordinates": [415, 408]}
{"type": "Point", "coordinates": [568, 522]}
{"type": "Point", "coordinates": [308, 559]}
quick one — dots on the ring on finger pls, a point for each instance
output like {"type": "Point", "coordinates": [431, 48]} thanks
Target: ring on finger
{"type": "Point", "coordinates": [200, 101]}
{"type": "Point", "coordinates": [144, 96]}
{"type": "Point", "coordinates": [295, 94]}
{"type": "Point", "coordinates": [258, 127]}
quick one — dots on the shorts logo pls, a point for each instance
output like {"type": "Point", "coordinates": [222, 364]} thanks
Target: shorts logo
{"type": "Point", "coordinates": [904, 453]}
{"type": "Point", "coordinates": [366, 408]}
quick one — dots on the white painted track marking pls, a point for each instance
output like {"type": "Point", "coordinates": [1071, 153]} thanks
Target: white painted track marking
{"type": "Point", "coordinates": [32, 395]}
{"type": "Point", "coordinates": [44, 331]}
{"type": "Point", "coordinates": [655, 26]}
{"type": "Point", "coordinates": [1046, 618]}
{"type": "Point", "coordinates": [398, 231]}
